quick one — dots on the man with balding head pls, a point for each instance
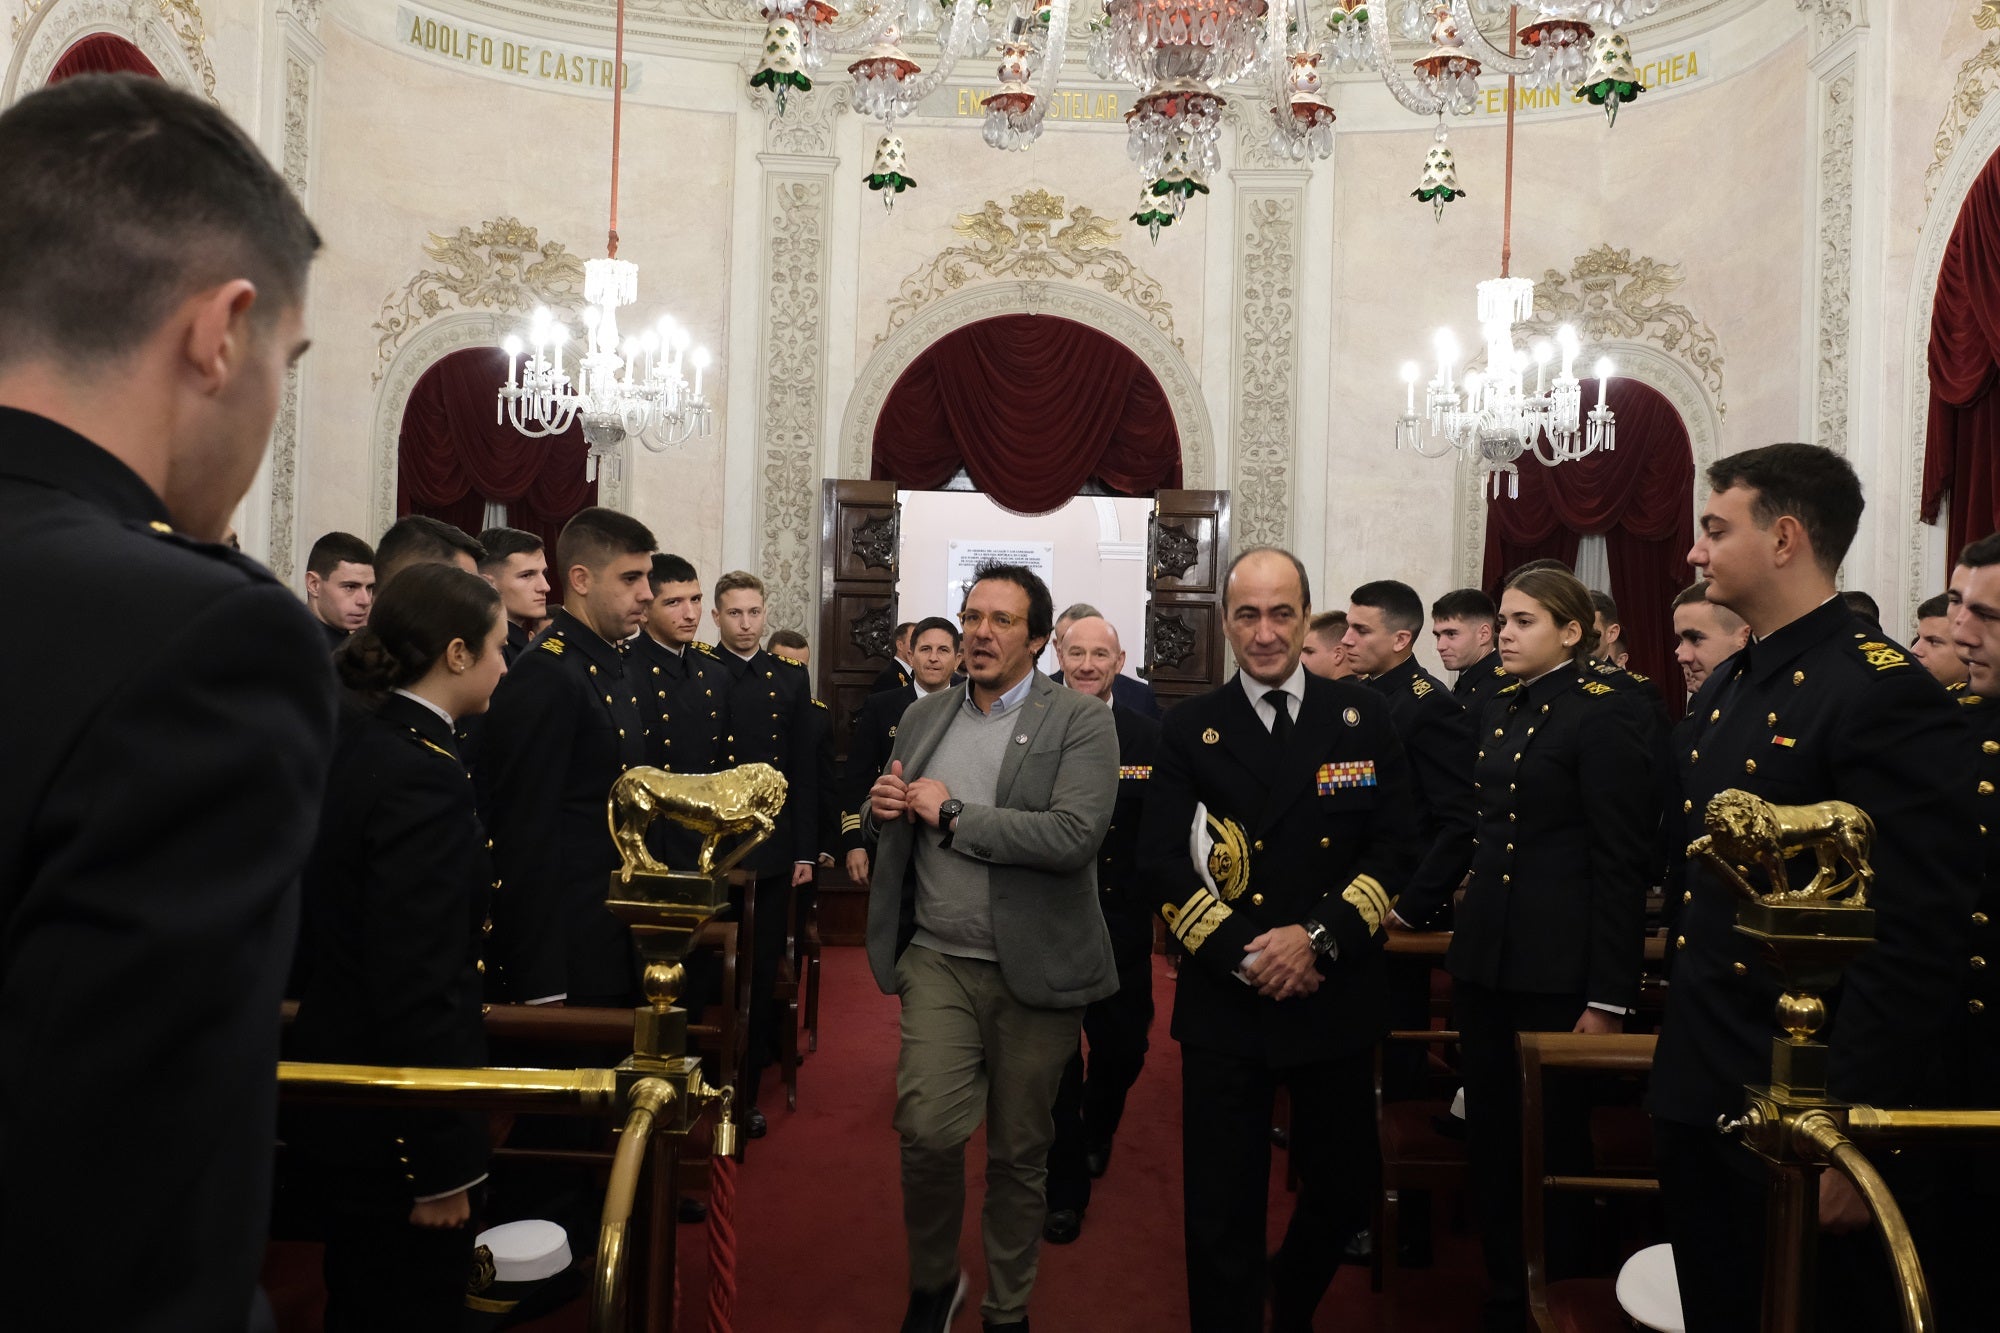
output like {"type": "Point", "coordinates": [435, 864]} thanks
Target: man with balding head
{"type": "Point", "coordinates": [1091, 1102]}
{"type": "Point", "coordinates": [1130, 691]}
{"type": "Point", "coordinates": [1299, 803]}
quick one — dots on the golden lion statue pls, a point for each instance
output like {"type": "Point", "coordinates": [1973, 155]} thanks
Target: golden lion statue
{"type": "Point", "coordinates": [1745, 831]}
{"type": "Point", "coordinates": [716, 805]}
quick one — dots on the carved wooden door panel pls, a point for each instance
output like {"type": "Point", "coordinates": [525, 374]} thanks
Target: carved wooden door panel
{"type": "Point", "coordinates": [1187, 554]}
{"type": "Point", "coordinates": [857, 594]}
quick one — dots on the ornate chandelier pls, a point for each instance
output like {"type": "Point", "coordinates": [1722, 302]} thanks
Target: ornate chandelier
{"type": "Point", "coordinates": [629, 388]}
{"type": "Point", "coordinates": [1490, 416]}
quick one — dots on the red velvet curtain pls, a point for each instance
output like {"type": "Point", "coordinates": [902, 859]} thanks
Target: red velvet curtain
{"type": "Point", "coordinates": [1962, 444]}
{"type": "Point", "coordinates": [452, 458]}
{"type": "Point", "coordinates": [1033, 406]}
{"type": "Point", "coordinates": [1640, 497]}
{"type": "Point", "coordinates": [102, 53]}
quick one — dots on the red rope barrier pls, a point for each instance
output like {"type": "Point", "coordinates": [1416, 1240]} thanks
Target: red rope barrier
{"type": "Point", "coordinates": [721, 1244]}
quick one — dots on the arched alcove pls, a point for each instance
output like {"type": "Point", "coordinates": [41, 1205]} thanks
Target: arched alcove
{"type": "Point", "coordinates": [453, 461]}
{"type": "Point", "coordinates": [51, 32]}
{"type": "Point", "coordinates": [1160, 354]}
{"type": "Point", "coordinates": [102, 53]}
{"type": "Point", "coordinates": [1036, 409]}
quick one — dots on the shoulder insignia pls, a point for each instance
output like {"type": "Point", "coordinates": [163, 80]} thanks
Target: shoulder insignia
{"type": "Point", "coordinates": [1957, 687]}
{"type": "Point", "coordinates": [164, 529]}
{"type": "Point", "coordinates": [1500, 671]}
{"type": "Point", "coordinates": [1639, 676]}
{"type": "Point", "coordinates": [1970, 700]}
{"type": "Point", "coordinates": [1880, 655]}
{"type": "Point", "coordinates": [819, 703]}
{"type": "Point", "coordinates": [1604, 668]}
{"type": "Point", "coordinates": [1597, 687]}
{"type": "Point", "coordinates": [1507, 689]}
{"type": "Point", "coordinates": [435, 748]}
{"type": "Point", "coordinates": [552, 644]}
{"type": "Point", "coordinates": [789, 661]}
{"type": "Point", "coordinates": [1419, 686]}
{"type": "Point", "coordinates": [705, 646]}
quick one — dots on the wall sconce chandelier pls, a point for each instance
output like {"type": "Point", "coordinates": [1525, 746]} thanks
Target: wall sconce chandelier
{"type": "Point", "coordinates": [630, 388]}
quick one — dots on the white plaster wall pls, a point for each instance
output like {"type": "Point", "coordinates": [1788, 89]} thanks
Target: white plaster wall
{"type": "Point", "coordinates": [407, 148]}
{"type": "Point", "coordinates": [1115, 583]}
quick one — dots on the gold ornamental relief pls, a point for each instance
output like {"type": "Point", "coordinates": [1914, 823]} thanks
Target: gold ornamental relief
{"type": "Point", "coordinates": [502, 266]}
{"type": "Point", "coordinates": [1610, 294]}
{"type": "Point", "coordinates": [1035, 238]}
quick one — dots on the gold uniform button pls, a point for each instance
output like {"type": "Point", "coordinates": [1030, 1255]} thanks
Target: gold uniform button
{"type": "Point", "coordinates": [1499, 731]}
{"type": "Point", "coordinates": [1978, 963]}
{"type": "Point", "coordinates": [1517, 756]}
{"type": "Point", "coordinates": [1680, 941]}
{"type": "Point", "coordinates": [1989, 747]}
{"type": "Point", "coordinates": [1258, 845]}
{"type": "Point", "coordinates": [1739, 969]}
{"type": "Point", "coordinates": [1715, 716]}
{"type": "Point", "coordinates": [1798, 678]}
{"type": "Point", "coordinates": [1687, 895]}
{"type": "Point", "coordinates": [1975, 1006]}
{"type": "Point", "coordinates": [1482, 754]}
{"type": "Point", "coordinates": [1686, 806]}
{"type": "Point", "coordinates": [1985, 788]}
{"type": "Point", "coordinates": [1326, 842]}
{"type": "Point", "coordinates": [1510, 846]}
{"type": "Point", "coordinates": [607, 698]}
{"type": "Point", "coordinates": [593, 671]}
{"type": "Point", "coordinates": [480, 967]}
{"type": "Point", "coordinates": [1510, 816]}
{"type": "Point", "coordinates": [1770, 719]}
{"type": "Point", "coordinates": [1749, 765]}
{"type": "Point", "coordinates": [1979, 918]}
{"type": "Point", "coordinates": [1694, 756]}
{"type": "Point", "coordinates": [1506, 879]}
{"type": "Point", "coordinates": [1256, 900]}
{"type": "Point", "coordinates": [489, 844]}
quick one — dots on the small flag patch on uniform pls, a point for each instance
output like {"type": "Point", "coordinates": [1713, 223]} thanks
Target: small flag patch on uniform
{"type": "Point", "coordinates": [1352, 773]}
{"type": "Point", "coordinates": [1135, 771]}
{"type": "Point", "coordinates": [1787, 741]}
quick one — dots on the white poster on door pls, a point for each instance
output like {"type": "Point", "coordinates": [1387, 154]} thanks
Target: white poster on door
{"type": "Point", "coordinates": [965, 559]}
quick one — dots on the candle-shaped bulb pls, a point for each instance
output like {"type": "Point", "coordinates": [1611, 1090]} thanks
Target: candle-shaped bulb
{"type": "Point", "coordinates": [1410, 388]}
{"type": "Point", "coordinates": [512, 345]}
{"type": "Point", "coordinates": [1603, 370]}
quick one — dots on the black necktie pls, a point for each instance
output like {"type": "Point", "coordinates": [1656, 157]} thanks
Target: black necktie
{"type": "Point", "coordinates": [1281, 725]}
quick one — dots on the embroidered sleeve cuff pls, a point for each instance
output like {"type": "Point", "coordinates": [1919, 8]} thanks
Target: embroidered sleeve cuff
{"type": "Point", "coordinates": [1365, 894]}
{"type": "Point", "coordinates": [1196, 919]}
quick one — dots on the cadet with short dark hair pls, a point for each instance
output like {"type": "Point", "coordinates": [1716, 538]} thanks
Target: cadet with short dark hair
{"type": "Point", "coordinates": [416, 539]}
{"type": "Point", "coordinates": [159, 805]}
{"type": "Point", "coordinates": [340, 584]}
{"type": "Point", "coordinates": [1465, 625]}
{"type": "Point", "coordinates": [1933, 644]}
{"type": "Point", "coordinates": [516, 564]}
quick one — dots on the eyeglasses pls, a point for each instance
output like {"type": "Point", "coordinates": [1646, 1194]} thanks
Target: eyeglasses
{"type": "Point", "coordinates": [1002, 621]}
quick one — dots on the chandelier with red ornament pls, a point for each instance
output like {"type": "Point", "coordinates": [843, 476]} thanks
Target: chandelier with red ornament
{"type": "Point", "coordinates": [1186, 59]}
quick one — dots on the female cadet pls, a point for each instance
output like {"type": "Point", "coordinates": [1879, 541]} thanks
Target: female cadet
{"type": "Point", "coordinates": [1548, 937]}
{"type": "Point", "coordinates": [389, 974]}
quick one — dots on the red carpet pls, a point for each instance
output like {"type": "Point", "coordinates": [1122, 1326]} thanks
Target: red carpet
{"type": "Point", "coordinates": [819, 1210]}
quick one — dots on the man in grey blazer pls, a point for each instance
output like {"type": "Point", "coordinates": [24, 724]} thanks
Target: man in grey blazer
{"type": "Point", "coordinates": [983, 918]}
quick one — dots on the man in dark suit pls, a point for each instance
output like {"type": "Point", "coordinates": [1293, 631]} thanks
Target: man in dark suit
{"type": "Point", "coordinates": [897, 674]}
{"type": "Point", "coordinates": [340, 584]}
{"type": "Point", "coordinates": [1817, 708]}
{"type": "Point", "coordinates": [933, 659]}
{"type": "Point", "coordinates": [563, 725]}
{"type": "Point", "coordinates": [1129, 691]}
{"type": "Point", "coordinates": [156, 807]}
{"type": "Point", "coordinates": [518, 567]}
{"type": "Point", "coordinates": [771, 721]}
{"type": "Point", "coordinates": [1463, 623]}
{"type": "Point", "coordinates": [1297, 790]}
{"type": "Point", "coordinates": [1091, 1101]}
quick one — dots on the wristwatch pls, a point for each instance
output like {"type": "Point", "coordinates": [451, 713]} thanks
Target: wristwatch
{"type": "Point", "coordinates": [950, 810]}
{"type": "Point", "coordinates": [1319, 937]}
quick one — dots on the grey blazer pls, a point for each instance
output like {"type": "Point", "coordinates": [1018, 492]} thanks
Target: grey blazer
{"type": "Point", "coordinates": [1055, 795]}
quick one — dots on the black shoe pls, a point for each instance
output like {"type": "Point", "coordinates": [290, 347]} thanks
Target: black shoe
{"type": "Point", "coordinates": [755, 1126]}
{"type": "Point", "coordinates": [932, 1311]}
{"type": "Point", "coordinates": [1360, 1247]}
{"type": "Point", "coordinates": [693, 1210]}
{"type": "Point", "coordinates": [1097, 1160]}
{"type": "Point", "coordinates": [988, 1326]}
{"type": "Point", "coordinates": [1062, 1227]}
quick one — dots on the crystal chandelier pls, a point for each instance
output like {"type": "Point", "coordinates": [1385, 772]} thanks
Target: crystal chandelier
{"type": "Point", "coordinates": [1490, 416]}
{"type": "Point", "coordinates": [631, 387]}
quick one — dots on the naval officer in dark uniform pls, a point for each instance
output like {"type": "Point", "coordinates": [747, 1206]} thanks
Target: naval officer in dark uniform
{"type": "Point", "coordinates": [157, 805]}
{"type": "Point", "coordinates": [683, 691]}
{"type": "Point", "coordinates": [396, 896]}
{"type": "Point", "coordinates": [770, 722]}
{"type": "Point", "coordinates": [1817, 708]}
{"type": "Point", "coordinates": [1306, 811]}
{"type": "Point", "coordinates": [1959, 1241]}
{"type": "Point", "coordinates": [1550, 933]}
{"type": "Point", "coordinates": [563, 725]}
{"type": "Point", "coordinates": [1383, 621]}
{"type": "Point", "coordinates": [933, 660]}
{"type": "Point", "coordinates": [1464, 623]}
{"type": "Point", "coordinates": [1090, 1102]}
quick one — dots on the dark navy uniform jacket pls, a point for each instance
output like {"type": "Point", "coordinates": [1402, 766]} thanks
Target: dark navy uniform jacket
{"type": "Point", "coordinates": [155, 810]}
{"type": "Point", "coordinates": [1121, 891]}
{"type": "Point", "coordinates": [1480, 682]}
{"type": "Point", "coordinates": [771, 722]}
{"type": "Point", "coordinates": [563, 725]}
{"type": "Point", "coordinates": [396, 898]}
{"type": "Point", "coordinates": [1322, 827]}
{"type": "Point", "coordinates": [868, 747]}
{"type": "Point", "coordinates": [1823, 710]}
{"type": "Point", "coordinates": [1437, 738]}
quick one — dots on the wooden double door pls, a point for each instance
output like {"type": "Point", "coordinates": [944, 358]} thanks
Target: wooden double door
{"type": "Point", "coordinates": [1187, 553]}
